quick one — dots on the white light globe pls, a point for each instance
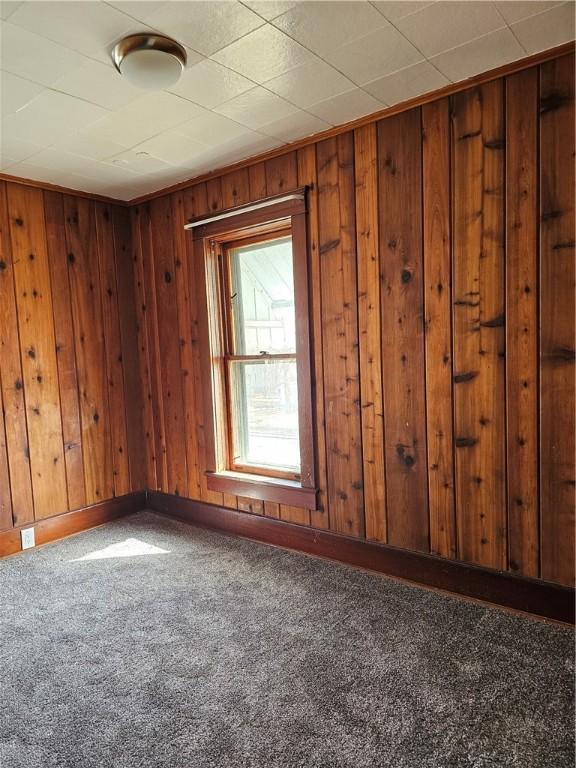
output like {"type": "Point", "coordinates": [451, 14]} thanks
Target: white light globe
{"type": "Point", "coordinates": [151, 70]}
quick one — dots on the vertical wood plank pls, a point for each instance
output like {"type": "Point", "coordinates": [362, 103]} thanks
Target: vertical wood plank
{"type": "Point", "coordinates": [133, 391]}
{"type": "Point", "coordinates": [254, 506]}
{"type": "Point", "coordinates": [90, 347]}
{"type": "Point", "coordinates": [113, 347]}
{"type": "Point", "coordinates": [65, 351]}
{"type": "Point", "coordinates": [151, 311]}
{"type": "Point", "coordinates": [162, 233]}
{"type": "Point", "coordinates": [144, 355]}
{"type": "Point", "coordinates": [307, 177]}
{"type": "Point", "coordinates": [186, 352]}
{"type": "Point", "coordinates": [38, 350]}
{"type": "Point", "coordinates": [235, 188]}
{"type": "Point", "coordinates": [12, 380]}
{"type": "Point", "coordinates": [400, 173]}
{"type": "Point", "coordinates": [438, 325]}
{"type": "Point", "coordinates": [271, 509]}
{"type": "Point", "coordinates": [214, 194]}
{"type": "Point", "coordinates": [281, 173]}
{"type": "Point", "coordinates": [5, 495]}
{"type": "Point", "coordinates": [257, 181]}
{"type": "Point", "coordinates": [522, 320]}
{"type": "Point", "coordinates": [366, 167]}
{"type": "Point", "coordinates": [340, 333]}
{"type": "Point", "coordinates": [478, 323]}
{"type": "Point", "coordinates": [196, 204]}
{"type": "Point", "coordinates": [296, 515]}
{"type": "Point", "coordinates": [557, 330]}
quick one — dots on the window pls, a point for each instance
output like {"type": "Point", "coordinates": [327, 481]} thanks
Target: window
{"type": "Point", "coordinates": [251, 275]}
{"type": "Point", "coordinates": [260, 355]}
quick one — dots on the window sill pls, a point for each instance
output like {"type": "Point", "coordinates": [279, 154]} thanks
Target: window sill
{"type": "Point", "coordinates": [288, 492]}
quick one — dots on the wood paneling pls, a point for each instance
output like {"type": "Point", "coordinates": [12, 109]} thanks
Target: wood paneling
{"type": "Point", "coordinates": [337, 246]}
{"type": "Point", "coordinates": [67, 336]}
{"type": "Point", "coordinates": [557, 319]}
{"type": "Point", "coordinates": [65, 351]}
{"type": "Point", "coordinates": [522, 321]}
{"type": "Point", "coordinates": [441, 323]}
{"type": "Point", "coordinates": [369, 329]}
{"type": "Point", "coordinates": [478, 143]}
{"type": "Point", "coordinates": [85, 290]}
{"type": "Point", "coordinates": [12, 380]}
{"type": "Point", "coordinates": [113, 345]}
{"type": "Point", "coordinates": [133, 391]}
{"type": "Point", "coordinates": [37, 349]}
{"type": "Point", "coordinates": [438, 325]}
{"type": "Point", "coordinates": [400, 223]}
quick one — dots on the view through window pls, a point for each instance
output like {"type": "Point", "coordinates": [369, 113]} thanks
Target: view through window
{"type": "Point", "coordinates": [261, 355]}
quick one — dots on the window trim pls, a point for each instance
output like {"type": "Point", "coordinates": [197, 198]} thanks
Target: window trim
{"type": "Point", "coordinates": [283, 211]}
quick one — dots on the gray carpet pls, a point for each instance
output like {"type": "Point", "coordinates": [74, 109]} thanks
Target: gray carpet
{"type": "Point", "coordinates": [220, 653]}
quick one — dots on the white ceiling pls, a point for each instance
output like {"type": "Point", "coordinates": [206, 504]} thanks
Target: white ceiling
{"type": "Point", "coordinates": [260, 73]}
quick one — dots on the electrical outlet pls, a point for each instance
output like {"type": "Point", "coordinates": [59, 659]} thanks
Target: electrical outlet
{"type": "Point", "coordinates": [28, 539]}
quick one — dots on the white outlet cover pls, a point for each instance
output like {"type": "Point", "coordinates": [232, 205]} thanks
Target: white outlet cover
{"type": "Point", "coordinates": [28, 539]}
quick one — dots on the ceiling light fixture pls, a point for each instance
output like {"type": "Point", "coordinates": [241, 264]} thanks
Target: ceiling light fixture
{"type": "Point", "coordinates": [149, 61]}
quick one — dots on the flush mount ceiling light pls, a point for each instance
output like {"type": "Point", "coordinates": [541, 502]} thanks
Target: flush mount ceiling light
{"type": "Point", "coordinates": [149, 61]}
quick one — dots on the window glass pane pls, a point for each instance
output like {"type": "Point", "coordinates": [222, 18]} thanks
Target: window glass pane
{"type": "Point", "coordinates": [265, 414]}
{"type": "Point", "coordinates": [263, 298]}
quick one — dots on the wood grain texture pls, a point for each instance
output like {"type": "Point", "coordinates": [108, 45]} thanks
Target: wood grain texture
{"type": "Point", "coordinates": [478, 142]}
{"type": "Point", "coordinates": [196, 204]}
{"type": "Point", "coordinates": [151, 312]}
{"type": "Point", "coordinates": [438, 324]}
{"type": "Point", "coordinates": [337, 246]}
{"type": "Point", "coordinates": [37, 349]}
{"type": "Point", "coordinates": [65, 350]}
{"type": "Point", "coordinates": [12, 380]}
{"type": "Point", "coordinates": [522, 321]}
{"type": "Point", "coordinates": [307, 177]}
{"type": "Point", "coordinates": [90, 347]}
{"type": "Point", "coordinates": [281, 174]}
{"type": "Point", "coordinates": [453, 206]}
{"type": "Point", "coordinates": [124, 263]}
{"type": "Point", "coordinates": [5, 496]}
{"type": "Point", "coordinates": [68, 355]}
{"type": "Point", "coordinates": [169, 343]}
{"type": "Point", "coordinates": [557, 283]}
{"type": "Point", "coordinates": [113, 346]}
{"type": "Point", "coordinates": [400, 222]}
{"type": "Point", "coordinates": [182, 278]}
{"type": "Point", "coordinates": [143, 353]}
{"type": "Point", "coordinates": [370, 334]}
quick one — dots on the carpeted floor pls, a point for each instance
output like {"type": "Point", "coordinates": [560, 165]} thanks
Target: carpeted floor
{"type": "Point", "coordinates": [150, 643]}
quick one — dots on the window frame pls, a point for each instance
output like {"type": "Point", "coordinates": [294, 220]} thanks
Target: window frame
{"type": "Point", "coordinates": [209, 241]}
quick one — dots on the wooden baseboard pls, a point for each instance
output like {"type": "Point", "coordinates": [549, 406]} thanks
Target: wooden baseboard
{"type": "Point", "coordinates": [53, 528]}
{"type": "Point", "coordinates": [539, 598]}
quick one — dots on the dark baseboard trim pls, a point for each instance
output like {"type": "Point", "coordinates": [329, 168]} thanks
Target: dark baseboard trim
{"type": "Point", "coordinates": [68, 523]}
{"type": "Point", "coordinates": [539, 598]}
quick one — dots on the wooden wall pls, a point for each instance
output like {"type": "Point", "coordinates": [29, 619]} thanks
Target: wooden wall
{"type": "Point", "coordinates": [442, 275]}
{"type": "Point", "coordinates": [70, 422]}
